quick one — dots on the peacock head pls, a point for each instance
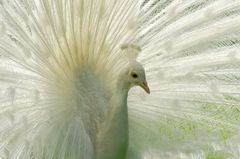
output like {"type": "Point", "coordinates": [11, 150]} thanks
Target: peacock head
{"type": "Point", "coordinates": [135, 73]}
{"type": "Point", "coordinates": [136, 76]}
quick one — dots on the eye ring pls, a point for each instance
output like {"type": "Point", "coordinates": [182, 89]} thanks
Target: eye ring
{"type": "Point", "coordinates": [134, 75]}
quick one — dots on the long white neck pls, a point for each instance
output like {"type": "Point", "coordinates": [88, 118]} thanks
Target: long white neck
{"type": "Point", "coordinates": [113, 139]}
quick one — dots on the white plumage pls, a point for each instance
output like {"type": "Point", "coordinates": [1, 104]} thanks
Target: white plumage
{"type": "Point", "coordinates": [66, 67]}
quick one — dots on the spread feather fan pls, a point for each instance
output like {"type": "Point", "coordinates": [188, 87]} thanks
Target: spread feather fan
{"type": "Point", "coordinates": [66, 67]}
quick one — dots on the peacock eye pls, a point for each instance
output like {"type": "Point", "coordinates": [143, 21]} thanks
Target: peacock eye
{"type": "Point", "coordinates": [134, 75]}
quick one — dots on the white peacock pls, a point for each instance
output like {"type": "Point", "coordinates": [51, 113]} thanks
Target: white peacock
{"type": "Point", "coordinates": [67, 66]}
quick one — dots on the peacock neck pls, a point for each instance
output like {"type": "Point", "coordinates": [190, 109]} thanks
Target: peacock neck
{"type": "Point", "coordinates": [122, 87]}
{"type": "Point", "coordinates": [114, 134]}
{"type": "Point", "coordinates": [118, 107]}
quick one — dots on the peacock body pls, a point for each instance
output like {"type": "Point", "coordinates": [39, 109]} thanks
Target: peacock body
{"type": "Point", "coordinates": [67, 71]}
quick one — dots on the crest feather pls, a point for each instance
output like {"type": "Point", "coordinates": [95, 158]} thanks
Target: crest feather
{"type": "Point", "coordinates": [131, 51]}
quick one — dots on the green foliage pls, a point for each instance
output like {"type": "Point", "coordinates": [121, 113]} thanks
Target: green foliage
{"type": "Point", "coordinates": [218, 155]}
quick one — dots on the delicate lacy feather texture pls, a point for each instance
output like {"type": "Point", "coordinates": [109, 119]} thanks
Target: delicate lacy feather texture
{"type": "Point", "coordinates": [59, 60]}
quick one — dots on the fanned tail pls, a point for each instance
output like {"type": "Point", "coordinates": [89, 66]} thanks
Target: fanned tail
{"type": "Point", "coordinates": [189, 50]}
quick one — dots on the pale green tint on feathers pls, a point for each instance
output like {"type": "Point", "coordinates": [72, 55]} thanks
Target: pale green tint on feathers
{"type": "Point", "coordinates": [60, 61]}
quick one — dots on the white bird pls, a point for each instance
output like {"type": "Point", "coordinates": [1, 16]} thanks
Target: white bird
{"type": "Point", "coordinates": [68, 70]}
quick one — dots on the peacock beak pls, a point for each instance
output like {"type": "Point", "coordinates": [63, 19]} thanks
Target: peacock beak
{"type": "Point", "coordinates": [144, 85]}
